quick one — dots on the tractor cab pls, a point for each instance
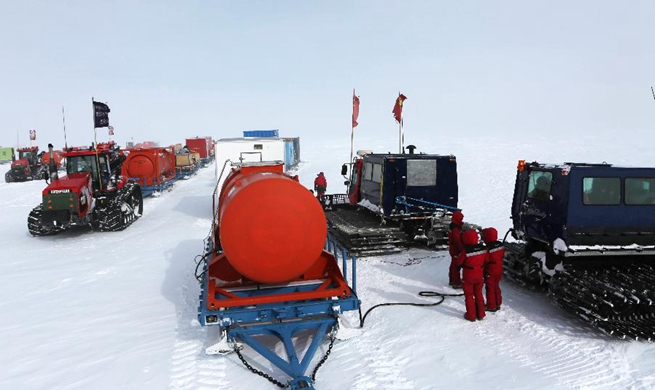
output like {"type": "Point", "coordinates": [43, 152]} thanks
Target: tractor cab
{"type": "Point", "coordinates": [101, 163]}
{"type": "Point", "coordinates": [30, 154]}
{"type": "Point", "coordinates": [96, 166]}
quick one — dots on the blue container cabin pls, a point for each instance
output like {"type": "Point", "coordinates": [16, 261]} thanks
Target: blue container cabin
{"type": "Point", "coordinates": [405, 184]}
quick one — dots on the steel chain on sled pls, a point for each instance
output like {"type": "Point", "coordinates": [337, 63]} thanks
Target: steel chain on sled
{"type": "Point", "coordinates": [320, 363]}
{"type": "Point", "coordinates": [256, 371]}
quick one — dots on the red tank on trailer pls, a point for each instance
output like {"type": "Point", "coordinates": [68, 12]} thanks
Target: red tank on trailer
{"type": "Point", "coordinates": [269, 230]}
{"type": "Point", "coordinates": [272, 229]}
{"type": "Point", "coordinates": [151, 166]}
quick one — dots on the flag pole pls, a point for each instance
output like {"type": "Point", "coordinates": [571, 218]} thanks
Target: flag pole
{"type": "Point", "coordinates": [63, 118]}
{"type": "Point", "coordinates": [400, 132]}
{"type": "Point", "coordinates": [352, 135]}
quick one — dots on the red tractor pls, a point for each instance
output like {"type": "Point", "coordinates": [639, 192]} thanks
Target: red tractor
{"type": "Point", "coordinates": [92, 193]}
{"type": "Point", "coordinates": [28, 166]}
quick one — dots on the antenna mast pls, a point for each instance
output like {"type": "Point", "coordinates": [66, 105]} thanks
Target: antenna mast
{"type": "Point", "coordinates": [63, 118]}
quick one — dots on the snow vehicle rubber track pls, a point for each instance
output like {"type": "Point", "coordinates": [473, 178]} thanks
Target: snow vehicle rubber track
{"type": "Point", "coordinates": [364, 234]}
{"type": "Point", "coordinates": [34, 225]}
{"type": "Point", "coordinates": [122, 210]}
{"type": "Point", "coordinates": [617, 297]}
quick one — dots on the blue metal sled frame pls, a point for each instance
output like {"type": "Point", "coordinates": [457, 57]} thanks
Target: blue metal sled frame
{"type": "Point", "coordinates": [147, 191]}
{"type": "Point", "coordinates": [284, 319]}
{"type": "Point", "coordinates": [422, 205]}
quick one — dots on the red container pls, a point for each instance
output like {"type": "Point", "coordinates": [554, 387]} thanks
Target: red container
{"type": "Point", "coordinates": [202, 145]}
{"type": "Point", "coordinates": [152, 166]}
{"type": "Point", "coordinates": [271, 228]}
{"type": "Point", "coordinates": [58, 155]}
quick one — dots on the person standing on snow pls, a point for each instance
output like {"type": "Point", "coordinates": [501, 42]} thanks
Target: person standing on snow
{"type": "Point", "coordinates": [472, 260]}
{"type": "Point", "coordinates": [455, 247]}
{"type": "Point", "coordinates": [493, 270]}
{"type": "Point", "coordinates": [320, 186]}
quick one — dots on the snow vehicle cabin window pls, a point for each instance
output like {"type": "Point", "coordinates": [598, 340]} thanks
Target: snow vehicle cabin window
{"type": "Point", "coordinates": [368, 171]}
{"type": "Point", "coordinates": [27, 155]}
{"type": "Point", "coordinates": [421, 173]}
{"type": "Point", "coordinates": [377, 173]}
{"type": "Point", "coordinates": [601, 190]}
{"type": "Point", "coordinates": [84, 164]}
{"type": "Point", "coordinates": [539, 185]}
{"type": "Point", "coordinates": [639, 191]}
{"type": "Point", "coordinates": [353, 184]}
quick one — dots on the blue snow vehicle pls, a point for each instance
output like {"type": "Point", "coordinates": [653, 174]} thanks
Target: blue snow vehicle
{"type": "Point", "coordinates": [587, 232]}
{"type": "Point", "coordinates": [394, 200]}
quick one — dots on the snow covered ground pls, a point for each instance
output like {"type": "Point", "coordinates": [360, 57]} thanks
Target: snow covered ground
{"type": "Point", "coordinates": [85, 310]}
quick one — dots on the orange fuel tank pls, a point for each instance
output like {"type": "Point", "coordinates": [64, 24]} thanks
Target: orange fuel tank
{"type": "Point", "coordinates": [271, 228]}
{"type": "Point", "coordinates": [152, 166]}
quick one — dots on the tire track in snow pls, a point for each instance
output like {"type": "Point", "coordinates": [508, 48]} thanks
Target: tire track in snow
{"type": "Point", "coordinates": [377, 367]}
{"type": "Point", "coordinates": [191, 368]}
{"type": "Point", "coordinates": [381, 367]}
{"type": "Point", "coordinates": [563, 357]}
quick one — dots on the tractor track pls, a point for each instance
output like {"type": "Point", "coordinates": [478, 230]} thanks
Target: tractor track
{"type": "Point", "coordinates": [562, 354]}
{"type": "Point", "coordinates": [382, 369]}
{"type": "Point", "coordinates": [191, 368]}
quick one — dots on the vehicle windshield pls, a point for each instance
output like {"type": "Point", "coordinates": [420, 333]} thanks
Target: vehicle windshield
{"type": "Point", "coordinates": [89, 164]}
{"type": "Point", "coordinates": [81, 164]}
{"type": "Point", "coordinates": [27, 155]}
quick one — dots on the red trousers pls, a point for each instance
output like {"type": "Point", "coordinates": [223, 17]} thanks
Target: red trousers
{"type": "Point", "coordinates": [473, 300]}
{"type": "Point", "coordinates": [494, 297]}
{"type": "Point", "coordinates": [454, 278]}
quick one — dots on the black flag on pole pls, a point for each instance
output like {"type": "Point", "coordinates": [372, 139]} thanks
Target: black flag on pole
{"type": "Point", "coordinates": [100, 114]}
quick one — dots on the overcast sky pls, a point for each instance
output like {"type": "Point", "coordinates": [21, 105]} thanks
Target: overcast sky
{"type": "Point", "coordinates": [171, 70]}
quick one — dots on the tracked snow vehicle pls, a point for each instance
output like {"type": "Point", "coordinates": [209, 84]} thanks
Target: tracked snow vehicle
{"type": "Point", "coordinates": [92, 193]}
{"type": "Point", "coordinates": [393, 200]}
{"type": "Point", "coordinates": [587, 233]}
{"type": "Point", "coordinates": [28, 166]}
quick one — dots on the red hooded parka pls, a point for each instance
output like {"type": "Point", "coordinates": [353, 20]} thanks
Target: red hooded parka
{"type": "Point", "coordinates": [472, 260]}
{"type": "Point", "coordinates": [494, 268]}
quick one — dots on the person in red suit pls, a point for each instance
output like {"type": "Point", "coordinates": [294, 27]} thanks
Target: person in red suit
{"type": "Point", "coordinates": [455, 247]}
{"type": "Point", "coordinates": [493, 271]}
{"type": "Point", "coordinates": [472, 260]}
{"type": "Point", "coordinates": [320, 186]}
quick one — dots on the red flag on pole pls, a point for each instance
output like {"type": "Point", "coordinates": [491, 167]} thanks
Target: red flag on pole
{"type": "Point", "coordinates": [355, 109]}
{"type": "Point", "coordinates": [398, 108]}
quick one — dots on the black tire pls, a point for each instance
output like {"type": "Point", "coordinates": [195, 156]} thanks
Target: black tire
{"type": "Point", "coordinates": [9, 177]}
